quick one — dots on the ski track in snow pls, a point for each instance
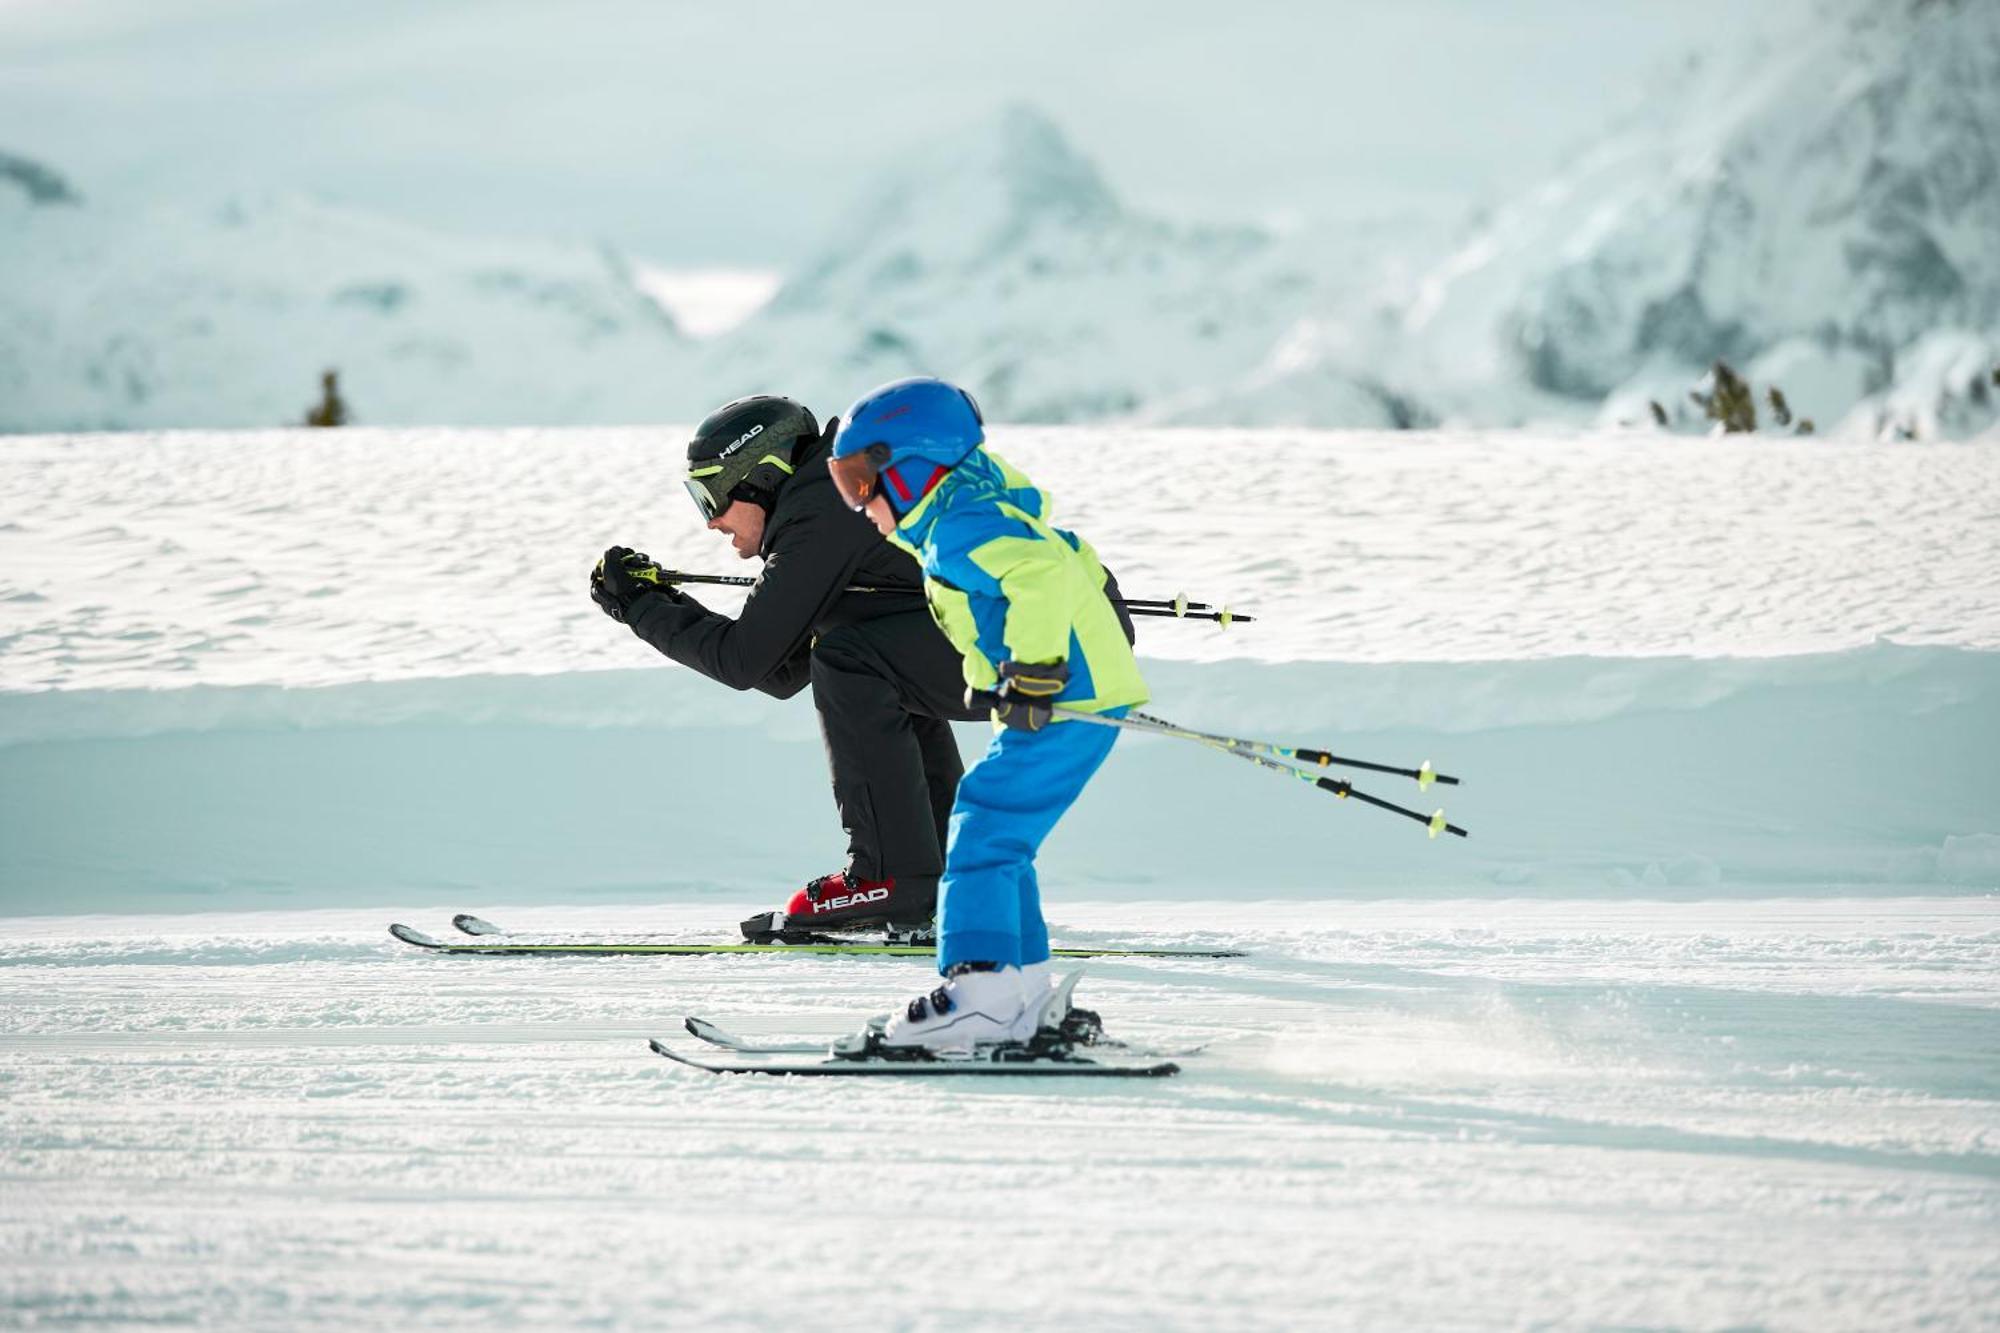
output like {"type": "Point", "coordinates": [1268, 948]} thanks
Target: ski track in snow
{"type": "Point", "coordinates": [316, 557]}
{"type": "Point", "coordinates": [1408, 1115]}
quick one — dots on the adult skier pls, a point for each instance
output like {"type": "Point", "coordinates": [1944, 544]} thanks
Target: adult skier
{"type": "Point", "coordinates": [886, 683]}
{"type": "Point", "coordinates": [1025, 605]}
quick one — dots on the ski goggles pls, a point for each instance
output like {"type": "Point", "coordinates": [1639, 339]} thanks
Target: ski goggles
{"type": "Point", "coordinates": [705, 499]}
{"type": "Point", "coordinates": [858, 476]}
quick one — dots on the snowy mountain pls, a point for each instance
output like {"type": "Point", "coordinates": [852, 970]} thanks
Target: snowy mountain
{"type": "Point", "coordinates": [175, 316]}
{"type": "Point", "coordinates": [1000, 257]}
{"type": "Point", "coordinates": [1824, 204]}
{"type": "Point", "coordinates": [1817, 209]}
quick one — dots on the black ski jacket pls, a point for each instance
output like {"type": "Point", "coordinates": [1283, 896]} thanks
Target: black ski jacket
{"type": "Point", "coordinates": [814, 547]}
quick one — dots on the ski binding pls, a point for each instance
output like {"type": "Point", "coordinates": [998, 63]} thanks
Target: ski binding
{"type": "Point", "coordinates": [1052, 1050]}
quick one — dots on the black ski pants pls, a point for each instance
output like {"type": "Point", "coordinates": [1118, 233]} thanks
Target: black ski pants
{"type": "Point", "coordinates": [887, 690]}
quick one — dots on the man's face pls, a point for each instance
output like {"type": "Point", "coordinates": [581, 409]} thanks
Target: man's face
{"type": "Point", "coordinates": [879, 513]}
{"type": "Point", "coordinates": [744, 522]}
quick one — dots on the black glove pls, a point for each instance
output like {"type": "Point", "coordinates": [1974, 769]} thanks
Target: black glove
{"type": "Point", "coordinates": [624, 576]}
{"type": "Point", "coordinates": [1025, 696]}
{"type": "Point", "coordinates": [828, 431]}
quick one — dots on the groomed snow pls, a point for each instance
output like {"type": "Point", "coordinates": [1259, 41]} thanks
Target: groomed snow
{"type": "Point", "coordinates": [1457, 1115]}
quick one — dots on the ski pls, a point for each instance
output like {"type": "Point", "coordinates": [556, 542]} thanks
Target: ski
{"type": "Point", "coordinates": [999, 1062]}
{"type": "Point", "coordinates": [481, 928]}
{"type": "Point", "coordinates": [716, 1035]}
{"type": "Point", "coordinates": [516, 948]}
{"type": "Point", "coordinates": [508, 947]}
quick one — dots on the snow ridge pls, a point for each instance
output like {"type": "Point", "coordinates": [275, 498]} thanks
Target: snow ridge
{"type": "Point", "coordinates": [320, 556]}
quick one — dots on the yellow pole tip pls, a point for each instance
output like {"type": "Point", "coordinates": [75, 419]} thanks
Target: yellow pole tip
{"type": "Point", "coordinates": [1426, 775]}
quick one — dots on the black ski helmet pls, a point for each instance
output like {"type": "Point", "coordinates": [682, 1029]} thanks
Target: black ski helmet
{"type": "Point", "coordinates": [745, 450]}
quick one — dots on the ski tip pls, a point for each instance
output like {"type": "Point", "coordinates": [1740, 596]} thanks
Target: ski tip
{"type": "Point", "coordinates": [659, 1047]}
{"type": "Point", "coordinates": [410, 936]}
{"type": "Point", "coordinates": [714, 1034]}
{"type": "Point", "coordinates": [473, 925]}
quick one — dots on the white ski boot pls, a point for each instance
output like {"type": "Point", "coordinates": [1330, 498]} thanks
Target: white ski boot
{"type": "Point", "coordinates": [970, 1008]}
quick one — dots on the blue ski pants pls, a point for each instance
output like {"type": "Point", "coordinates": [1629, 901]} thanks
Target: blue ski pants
{"type": "Point", "coordinates": [990, 908]}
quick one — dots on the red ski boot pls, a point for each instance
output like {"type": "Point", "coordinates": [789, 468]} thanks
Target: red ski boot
{"type": "Point", "coordinates": [836, 903]}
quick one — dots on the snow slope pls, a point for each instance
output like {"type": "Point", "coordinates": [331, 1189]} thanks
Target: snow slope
{"type": "Point", "coordinates": [318, 666]}
{"type": "Point", "coordinates": [313, 557]}
{"type": "Point", "coordinates": [1697, 1030]}
{"type": "Point", "coordinates": [122, 317]}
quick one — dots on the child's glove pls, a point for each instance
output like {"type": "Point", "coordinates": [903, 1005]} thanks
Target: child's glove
{"type": "Point", "coordinates": [1025, 697]}
{"type": "Point", "coordinates": [622, 577]}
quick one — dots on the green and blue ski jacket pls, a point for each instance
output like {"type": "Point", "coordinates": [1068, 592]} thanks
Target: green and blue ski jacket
{"type": "Point", "coordinates": [1006, 585]}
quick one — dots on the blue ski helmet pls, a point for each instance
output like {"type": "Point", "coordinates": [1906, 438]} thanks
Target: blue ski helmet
{"type": "Point", "coordinates": [901, 438]}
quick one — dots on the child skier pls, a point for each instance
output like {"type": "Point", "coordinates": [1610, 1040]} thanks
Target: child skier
{"type": "Point", "coordinates": [1024, 604]}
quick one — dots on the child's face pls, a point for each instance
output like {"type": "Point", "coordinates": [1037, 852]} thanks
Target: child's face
{"type": "Point", "coordinates": [879, 513]}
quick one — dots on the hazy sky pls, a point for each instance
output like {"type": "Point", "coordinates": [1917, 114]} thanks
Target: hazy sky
{"type": "Point", "coordinates": [695, 133]}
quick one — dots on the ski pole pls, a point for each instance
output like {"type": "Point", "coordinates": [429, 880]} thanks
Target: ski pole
{"type": "Point", "coordinates": [1424, 774]}
{"type": "Point", "coordinates": [1260, 754]}
{"type": "Point", "coordinates": [1179, 608]}
{"type": "Point", "coordinates": [1178, 603]}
